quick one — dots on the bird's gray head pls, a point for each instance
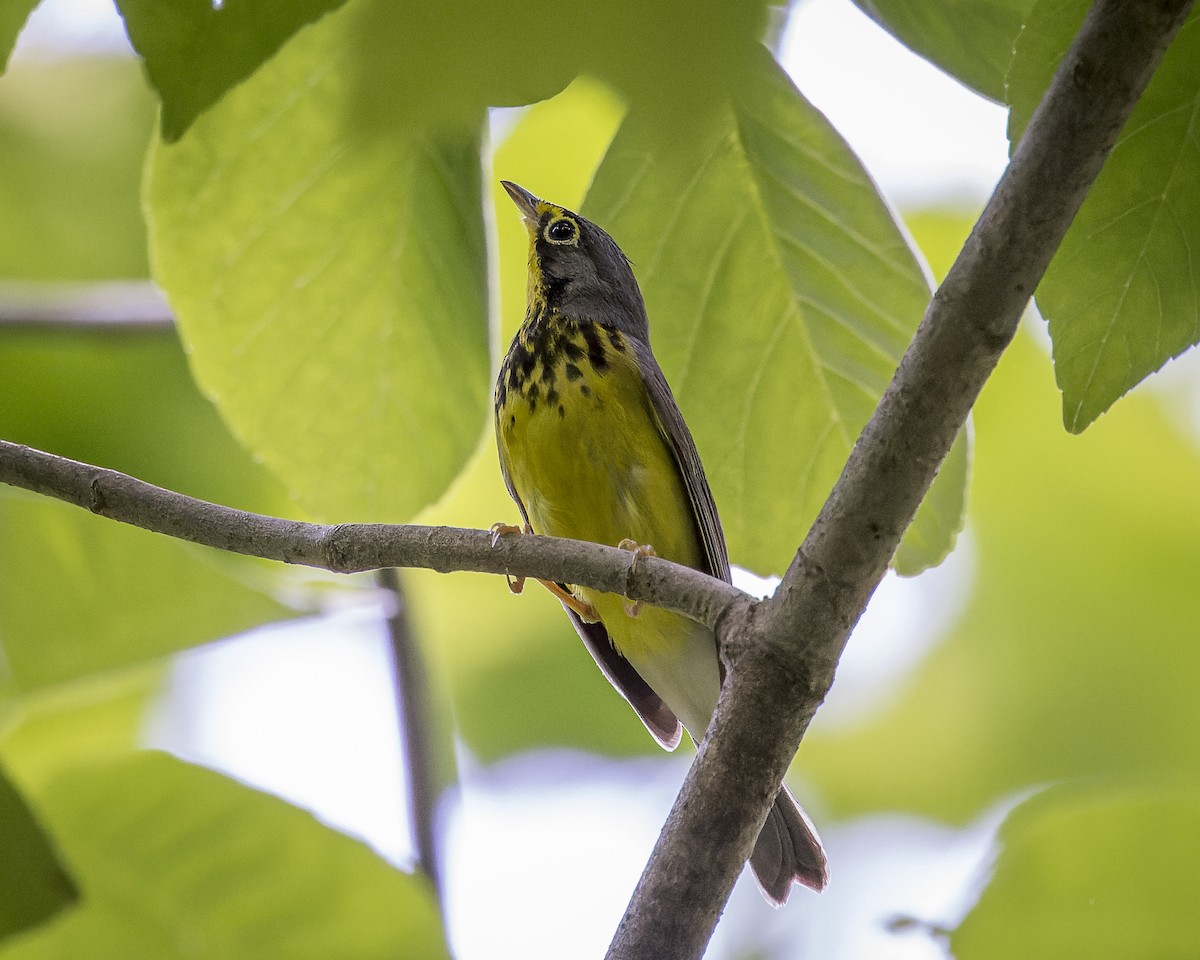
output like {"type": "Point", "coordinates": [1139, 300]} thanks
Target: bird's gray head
{"type": "Point", "coordinates": [576, 268]}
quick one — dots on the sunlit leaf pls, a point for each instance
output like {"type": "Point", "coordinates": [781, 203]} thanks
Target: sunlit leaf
{"type": "Point", "coordinates": [90, 594]}
{"type": "Point", "coordinates": [73, 136]}
{"type": "Point", "coordinates": [33, 884]}
{"type": "Point", "coordinates": [196, 50]}
{"type": "Point", "coordinates": [331, 288]}
{"type": "Point", "coordinates": [1075, 654]}
{"type": "Point", "coordinates": [13, 15]}
{"type": "Point", "coordinates": [1122, 294]}
{"type": "Point", "coordinates": [178, 861]}
{"type": "Point", "coordinates": [972, 40]}
{"type": "Point", "coordinates": [1103, 873]}
{"type": "Point", "coordinates": [781, 296]}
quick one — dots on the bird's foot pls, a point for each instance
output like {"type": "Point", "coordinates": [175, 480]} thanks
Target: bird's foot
{"type": "Point", "coordinates": [639, 550]}
{"type": "Point", "coordinates": [585, 611]}
{"type": "Point", "coordinates": [498, 530]}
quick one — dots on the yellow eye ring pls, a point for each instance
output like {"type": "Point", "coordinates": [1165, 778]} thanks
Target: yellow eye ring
{"type": "Point", "coordinates": [561, 230]}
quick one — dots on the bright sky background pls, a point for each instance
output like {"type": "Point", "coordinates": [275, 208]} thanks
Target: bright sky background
{"type": "Point", "coordinates": [306, 710]}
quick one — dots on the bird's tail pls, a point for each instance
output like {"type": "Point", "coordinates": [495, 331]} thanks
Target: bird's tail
{"type": "Point", "coordinates": [788, 851]}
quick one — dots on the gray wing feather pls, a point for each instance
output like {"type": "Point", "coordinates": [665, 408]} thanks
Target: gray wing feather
{"type": "Point", "coordinates": [663, 725]}
{"type": "Point", "coordinates": [704, 508]}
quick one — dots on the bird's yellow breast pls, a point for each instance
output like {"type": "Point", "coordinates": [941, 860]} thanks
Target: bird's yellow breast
{"type": "Point", "coordinates": [586, 455]}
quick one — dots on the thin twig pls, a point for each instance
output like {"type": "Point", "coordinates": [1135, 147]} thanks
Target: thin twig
{"type": "Point", "coordinates": [428, 749]}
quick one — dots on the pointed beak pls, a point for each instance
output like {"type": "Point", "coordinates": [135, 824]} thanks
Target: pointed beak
{"type": "Point", "coordinates": [526, 202]}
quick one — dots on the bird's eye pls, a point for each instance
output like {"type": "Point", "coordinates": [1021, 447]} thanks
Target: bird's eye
{"type": "Point", "coordinates": [562, 230]}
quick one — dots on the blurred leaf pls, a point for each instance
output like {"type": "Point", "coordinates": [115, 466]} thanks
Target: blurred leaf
{"type": "Point", "coordinates": [1076, 654]}
{"type": "Point", "coordinates": [178, 861]}
{"type": "Point", "coordinates": [123, 400]}
{"type": "Point", "coordinates": [781, 296]}
{"type": "Point", "coordinates": [73, 137]}
{"type": "Point", "coordinates": [33, 884]}
{"type": "Point", "coordinates": [473, 53]}
{"type": "Point", "coordinates": [13, 14]}
{"type": "Point", "coordinates": [972, 40]}
{"type": "Point", "coordinates": [673, 60]}
{"type": "Point", "coordinates": [331, 290]}
{"type": "Point", "coordinates": [940, 233]}
{"type": "Point", "coordinates": [78, 723]}
{"type": "Point", "coordinates": [497, 650]}
{"type": "Point", "coordinates": [195, 50]}
{"type": "Point", "coordinates": [442, 63]}
{"type": "Point", "coordinates": [89, 594]}
{"type": "Point", "coordinates": [126, 400]}
{"type": "Point", "coordinates": [1096, 873]}
{"type": "Point", "coordinates": [1121, 294]}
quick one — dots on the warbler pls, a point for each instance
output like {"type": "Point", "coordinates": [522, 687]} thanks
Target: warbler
{"type": "Point", "coordinates": [593, 447]}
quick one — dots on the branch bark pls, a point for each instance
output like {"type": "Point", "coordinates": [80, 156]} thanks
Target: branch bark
{"type": "Point", "coordinates": [356, 547]}
{"type": "Point", "coordinates": [780, 655]}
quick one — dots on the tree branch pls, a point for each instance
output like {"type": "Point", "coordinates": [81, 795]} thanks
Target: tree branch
{"type": "Point", "coordinates": [111, 306]}
{"type": "Point", "coordinates": [355, 547]}
{"type": "Point", "coordinates": [780, 655]}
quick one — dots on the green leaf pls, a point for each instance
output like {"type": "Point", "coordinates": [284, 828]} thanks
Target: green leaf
{"type": "Point", "coordinates": [33, 884]}
{"type": "Point", "coordinates": [972, 40]}
{"type": "Point", "coordinates": [1092, 872]}
{"type": "Point", "coordinates": [474, 53]}
{"type": "Point", "coordinates": [178, 861]}
{"type": "Point", "coordinates": [80, 723]}
{"type": "Point", "coordinates": [73, 136]}
{"type": "Point", "coordinates": [88, 594]}
{"type": "Point", "coordinates": [143, 413]}
{"type": "Point", "coordinates": [1075, 654]}
{"type": "Point", "coordinates": [13, 14]}
{"type": "Point", "coordinates": [444, 63]}
{"type": "Point", "coordinates": [781, 296]}
{"type": "Point", "coordinates": [331, 289]}
{"type": "Point", "coordinates": [1121, 295]}
{"type": "Point", "coordinates": [195, 51]}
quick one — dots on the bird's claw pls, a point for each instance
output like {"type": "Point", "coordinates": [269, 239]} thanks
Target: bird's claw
{"type": "Point", "coordinates": [501, 529]}
{"type": "Point", "coordinates": [639, 550]}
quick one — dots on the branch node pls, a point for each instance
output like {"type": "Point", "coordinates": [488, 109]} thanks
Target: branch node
{"type": "Point", "coordinates": [333, 549]}
{"type": "Point", "coordinates": [97, 502]}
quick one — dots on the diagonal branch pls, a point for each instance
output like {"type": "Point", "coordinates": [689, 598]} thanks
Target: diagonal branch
{"type": "Point", "coordinates": [355, 547]}
{"type": "Point", "coordinates": [780, 656]}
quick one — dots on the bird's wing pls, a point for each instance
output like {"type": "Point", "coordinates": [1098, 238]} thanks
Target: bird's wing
{"type": "Point", "coordinates": [683, 447]}
{"type": "Point", "coordinates": [512, 491]}
{"type": "Point", "coordinates": [663, 725]}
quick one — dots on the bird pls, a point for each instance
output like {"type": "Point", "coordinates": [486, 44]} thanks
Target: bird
{"type": "Point", "coordinates": [593, 446]}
